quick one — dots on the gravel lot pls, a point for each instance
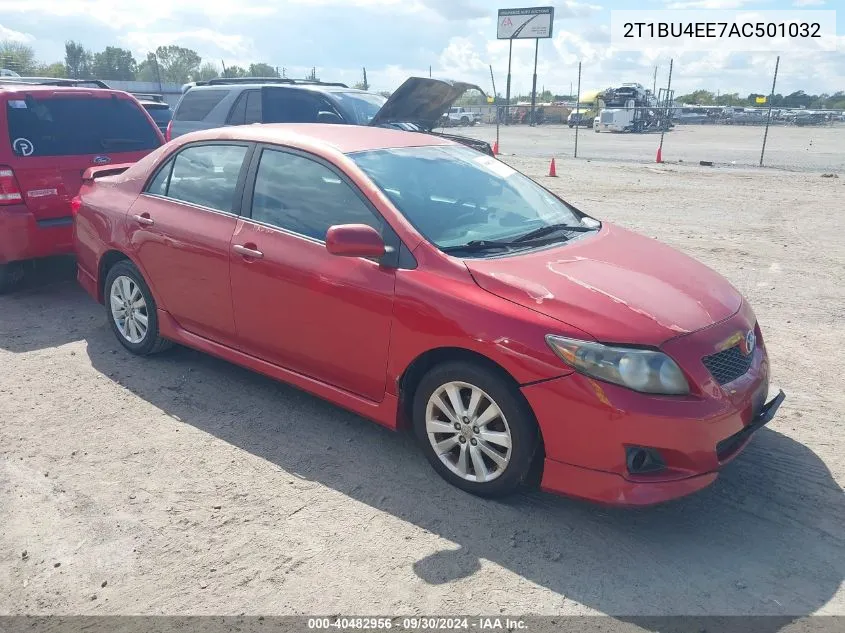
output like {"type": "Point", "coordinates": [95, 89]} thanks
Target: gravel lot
{"type": "Point", "coordinates": [794, 148]}
{"type": "Point", "coordinates": [181, 484]}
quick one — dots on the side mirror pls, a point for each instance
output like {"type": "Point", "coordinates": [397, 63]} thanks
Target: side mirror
{"type": "Point", "coordinates": [354, 240]}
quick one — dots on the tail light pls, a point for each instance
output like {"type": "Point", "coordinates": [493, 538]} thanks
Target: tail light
{"type": "Point", "coordinates": [10, 193]}
{"type": "Point", "coordinates": [167, 135]}
{"type": "Point", "coordinates": [75, 205]}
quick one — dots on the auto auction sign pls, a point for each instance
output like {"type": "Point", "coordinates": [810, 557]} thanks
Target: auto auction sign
{"type": "Point", "coordinates": [518, 24]}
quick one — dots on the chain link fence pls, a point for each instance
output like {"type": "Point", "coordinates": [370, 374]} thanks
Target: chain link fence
{"type": "Point", "coordinates": [630, 123]}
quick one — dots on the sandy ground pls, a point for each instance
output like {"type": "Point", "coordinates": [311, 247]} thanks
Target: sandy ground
{"type": "Point", "coordinates": [184, 485]}
{"type": "Point", "coordinates": [810, 148]}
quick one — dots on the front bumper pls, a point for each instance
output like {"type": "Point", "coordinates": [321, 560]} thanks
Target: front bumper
{"type": "Point", "coordinates": [587, 425]}
{"type": "Point", "coordinates": [23, 237]}
{"type": "Point", "coordinates": [693, 461]}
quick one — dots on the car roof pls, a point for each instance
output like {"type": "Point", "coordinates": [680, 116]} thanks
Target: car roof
{"type": "Point", "coordinates": [15, 88]}
{"type": "Point", "coordinates": [316, 87]}
{"type": "Point", "coordinates": [343, 138]}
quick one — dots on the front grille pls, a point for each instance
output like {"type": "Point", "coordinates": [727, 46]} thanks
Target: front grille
{"type": "Point", "coordinates": [728, 365]}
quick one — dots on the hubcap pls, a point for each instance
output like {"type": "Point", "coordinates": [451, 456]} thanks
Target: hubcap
{"type": "Point", "coordinates": [468, 431]}
{"type": "Point", "coordinates": [129, 309]}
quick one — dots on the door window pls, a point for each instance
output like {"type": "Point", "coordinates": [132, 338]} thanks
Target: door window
{"type": "Point", "coordinates": [247, 109]}
{"type": "Point", "coordinates": [206, 175]}
{"type": "Point", "coordinates": [306, 197]}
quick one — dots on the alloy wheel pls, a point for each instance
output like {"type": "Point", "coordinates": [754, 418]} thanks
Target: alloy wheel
{"type": "Point", "coordinates": [468, 432]}
{"type": "Point", "coordinates": [129, 309]}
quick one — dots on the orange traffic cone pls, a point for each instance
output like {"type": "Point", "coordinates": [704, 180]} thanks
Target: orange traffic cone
{"type": "Point", "coordinates": [659, 155]}
{"type": "Point", "coordinates": [496, 148]}
{"type": "Point", "coordinates": [552, 169]}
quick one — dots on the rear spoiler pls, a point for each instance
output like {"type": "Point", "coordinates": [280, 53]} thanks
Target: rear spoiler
{"type": "Point", "coordinates": [92, 173]}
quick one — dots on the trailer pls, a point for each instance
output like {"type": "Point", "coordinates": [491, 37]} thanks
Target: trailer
{"type": "Point", "coordinates": [633, 108]}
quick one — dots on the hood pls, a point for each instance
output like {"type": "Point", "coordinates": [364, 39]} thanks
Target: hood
{"type": "Point", "coordinates": [618, 286]}
{"type": "Point", "coordinates": [422, 101]}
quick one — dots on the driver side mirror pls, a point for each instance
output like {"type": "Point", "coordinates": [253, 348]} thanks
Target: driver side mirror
{"type": "Point", "coordinates": [354, 240]}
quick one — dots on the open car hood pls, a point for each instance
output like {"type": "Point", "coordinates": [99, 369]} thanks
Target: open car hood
{"type": "Point", "coordinates": [421, 101]}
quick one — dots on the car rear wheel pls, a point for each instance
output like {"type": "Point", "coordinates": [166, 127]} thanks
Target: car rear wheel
{"type": "Point", "coordinates": [131, 310]}
{"type": "Point", "coordinates": [474, 428]}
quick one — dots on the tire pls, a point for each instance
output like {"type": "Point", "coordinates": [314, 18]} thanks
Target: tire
{"type": "Point", "coordinates": [124, 282]}
{"type": "Point", "coordinates": [11, 276]}
{"type": "Point", "coordinates": [464, 121]}
{"type": "Point", "coordinates": [513, 422]}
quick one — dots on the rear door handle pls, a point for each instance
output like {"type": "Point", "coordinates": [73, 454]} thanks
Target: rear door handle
{"type": "Point", "coordinates": [144, 219]}
{"type": "Point", "coordinates": [247, 252]}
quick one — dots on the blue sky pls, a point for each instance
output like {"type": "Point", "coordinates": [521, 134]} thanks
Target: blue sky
{"type": "Point", "coordinates": [398, 38]}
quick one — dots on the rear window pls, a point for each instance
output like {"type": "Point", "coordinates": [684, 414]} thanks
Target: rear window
{"type": "Point", "coordinates": [161, 113]}
{"type": "Point", "coordinates": [196, 104]}
{"type": "Point", "coordinates": [63, 126]}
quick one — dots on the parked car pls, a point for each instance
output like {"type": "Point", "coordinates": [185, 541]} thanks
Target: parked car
{"type": "Point", "coordinates": [581, 119]}
{"type": "Point", "coordinates": [416, 106]}
{"type": "Point", "coordinates": [462, 116]}
{"type": "Point", "coordinates": [158, 108]}
{"type": "Point", "coordinates": [414, 281]}
{"type": "Point", "coordinates": [50, 133]}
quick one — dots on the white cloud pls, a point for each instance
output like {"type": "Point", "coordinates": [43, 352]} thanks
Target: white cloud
{"type": "Point", "coordinates": [14, 36]}
{"type": "Point", "coordinates": [710, 4]}
{"type": "Point", "coordinates": [241, 50]}
{"type": "Point", "coordinates": [808, 3]}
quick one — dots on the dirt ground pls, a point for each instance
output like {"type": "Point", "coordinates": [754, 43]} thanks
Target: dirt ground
{"type": "Point", "coordinates": [181, 484]}
{"type": "Point", "coordinates": [796, 148]}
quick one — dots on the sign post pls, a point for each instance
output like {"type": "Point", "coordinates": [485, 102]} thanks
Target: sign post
{"type": "Point", "coordinates": [524, 24]}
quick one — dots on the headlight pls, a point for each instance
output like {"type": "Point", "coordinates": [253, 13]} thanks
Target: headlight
{"type": "Point", "coordinates": [638, 369]}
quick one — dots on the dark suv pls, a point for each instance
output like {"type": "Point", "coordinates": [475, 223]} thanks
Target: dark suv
{"type": "Point", "coordinates": [417, 105]}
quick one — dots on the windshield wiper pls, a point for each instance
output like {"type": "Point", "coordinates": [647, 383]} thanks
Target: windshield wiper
{"type": "Point", "coordinates": [543, 231]}
{"type": "Point", "coordinates": [474, 246]}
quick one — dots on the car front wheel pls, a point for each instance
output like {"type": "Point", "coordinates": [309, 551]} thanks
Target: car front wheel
{"type": "Point", "coordinates": [131, 310]}
{"type": "Point", "coordinates": [475, 429]}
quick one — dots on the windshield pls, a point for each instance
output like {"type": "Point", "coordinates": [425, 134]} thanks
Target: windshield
{"type": "Point", "coordinates": [360, 107]}
{"type": "Point", "coordinates": [63, 126]}
{"type": "Point", "coordinates": [454, 195]}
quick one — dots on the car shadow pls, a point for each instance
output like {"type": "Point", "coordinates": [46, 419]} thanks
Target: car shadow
{"type": "Point", "coordinates": [49, 308]}
{"type": "Point", "coordinates": [766, 539]}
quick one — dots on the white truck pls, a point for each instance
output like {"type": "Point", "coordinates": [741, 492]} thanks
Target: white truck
{"type": "Point", "coordinates": [462, 116]}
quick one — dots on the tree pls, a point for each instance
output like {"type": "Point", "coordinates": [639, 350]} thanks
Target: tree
{"type": "Point", "coordinates": [207, 71]}
{"type": "Point", "coordinates": [56, 69]}
{"type": "Point", "coordinates": [17, 57]}
{"type": "Point", "coordinates": [115, 63]}
{"type": "Point", "coordinates": [149, 70]}
{"type": "Point", "coordinates": [177, 64]}
{"type": "Point", "coordinates": [262, 70]}
{"type": "Point", "coordinates": [699, 97]}
{"type": "Point", "coordinates": [77, 60]}
{"type": "Point", "coordinates": [234, 71]}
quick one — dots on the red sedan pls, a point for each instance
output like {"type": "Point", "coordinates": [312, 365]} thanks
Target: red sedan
{"type": "Point", "coordinates": [420, 283]}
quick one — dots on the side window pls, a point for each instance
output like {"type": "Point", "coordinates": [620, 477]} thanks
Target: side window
{"type": "Point", "coordinates": [289, 105]}
{"type": "Point", "coordinates": [301, 195]}
{"type": "Point", "coordinates": [196, 104]}
{"type": "Point", "coordinates": [158, 187]}
{"type": "Point", "coordinates": [253, 107]}
{"type": "Point", "coordinates": [236, 116]}
{"type": "Point", "coordinates": [207, 175]}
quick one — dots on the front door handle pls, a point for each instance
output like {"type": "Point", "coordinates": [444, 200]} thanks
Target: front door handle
{"type": "Point", "coordinates": [247, 252]}
{"type": "Point", "coordinates": [144, 219]}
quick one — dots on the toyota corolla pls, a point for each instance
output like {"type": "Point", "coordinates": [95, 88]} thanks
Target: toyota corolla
{"type": "Point", "coordinates": [424, 285]}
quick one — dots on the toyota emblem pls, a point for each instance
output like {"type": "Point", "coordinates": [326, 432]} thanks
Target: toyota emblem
{"type": "Point", "coordinates": [749, 343]}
